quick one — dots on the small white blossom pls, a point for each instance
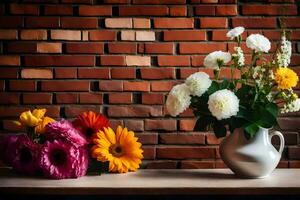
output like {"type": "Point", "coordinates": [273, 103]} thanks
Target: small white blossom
{"type": "Point", "coordinates": [293, 106]}
{"type": "Point", "coordinates": [212, 60]}
{"type": "Point", "coordinates": [223, 104]}
{"type": "Point", "coordinates": [178, 100]}
{"type": "Point", "coordinates": [240, 56]}
{"type": "Point", "coordinates": [198, 83]}
{"type": "Point", "coordinates": [284, 56]}
{"type": "Point", "coordinates": [258, 42]}
{"type": "Point", "coordinates": [235, 32]}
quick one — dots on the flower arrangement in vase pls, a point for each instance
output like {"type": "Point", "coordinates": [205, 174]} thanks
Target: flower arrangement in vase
{"type": "Point", "coordinates": [245, 104]}
{"type": "Point", "coordinates": [64, 149]}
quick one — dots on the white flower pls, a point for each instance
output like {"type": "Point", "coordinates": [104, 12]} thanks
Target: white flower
{"type": "Point", "coordinates": [284, 56]}
{"type": "Point", "coordinates": [178, 100]}
{"type": "Point", "coordinates": [235, 32]}
{"type": "Point", "coordinates": [258, 42]}
{"type": "Point", "coordinates": [293, 106]}
{"type": "Point", "coordinates": [240, 56]}
{"type": "Point", "coordinates": [212, 60]}
{"type": "Point", "coordinates": [198, 83]}
{"type": "Point", "coordinates": [223, 104]}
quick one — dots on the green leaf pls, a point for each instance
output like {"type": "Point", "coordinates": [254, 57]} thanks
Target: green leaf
{"type": "Point", "coordinates": [219, 129]}
{"type": "Point", "coordinates": [213, 88]}
{"type": "Point", "coordinates": [251, 130]}
{"type": "Point", "coordinates": [273, 109]}
{"type": "Point", "coordinates": [224, 84]}
{"type": "Point", "coordinates": [202, 123]}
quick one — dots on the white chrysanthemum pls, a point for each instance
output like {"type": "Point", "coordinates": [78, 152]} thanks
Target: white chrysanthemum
{"type": "Point", "coordinates": [284, 56]}
{"type": "Point", "coordinates": [223, 104]}
{"type": "Point", "coordinates": [235, 32]}
{"type": "Point", "coordinates": [178, 100]}
{"type": "Point", "coordinates": [293, 106]}
{"type": "Point", "coordinates": [212, 60]}
{"type": "Point", "coordinates": [198, 83]}
{"type": "Point", "coordinates": [258, 42]}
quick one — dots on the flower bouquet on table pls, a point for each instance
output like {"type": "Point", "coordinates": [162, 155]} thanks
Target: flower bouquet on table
{"type": "Point", "coordinates": [63, 149]}
{"type": "Point", "coordinates": [246, 105]}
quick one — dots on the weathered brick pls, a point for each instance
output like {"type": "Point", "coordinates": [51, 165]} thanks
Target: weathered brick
{"type": "Point", "coordinates": [137, 60]}
{"type": "Point", "coordinates": [118, 22]}
{"type": "Point", "coordinates": [65, 35]}
{"type": "Point", "coordinates": [37, 73]}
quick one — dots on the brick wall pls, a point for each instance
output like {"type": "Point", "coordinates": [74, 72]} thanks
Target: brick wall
{"type": "Point", "coordinates": [121, 57]}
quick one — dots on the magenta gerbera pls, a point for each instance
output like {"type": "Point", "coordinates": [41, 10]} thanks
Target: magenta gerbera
{"type": "Point", "coordinates": [7, 148]}
{"type": "Point", "coordinates": [24, 156]}
{"type": "Point", "coordinates": [61, 160]}
{"type": "Point", "coordinates": [64, 130]}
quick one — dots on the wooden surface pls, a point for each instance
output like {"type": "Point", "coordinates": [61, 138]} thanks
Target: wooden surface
{"type": "Point", "coordinates": [154, 182]}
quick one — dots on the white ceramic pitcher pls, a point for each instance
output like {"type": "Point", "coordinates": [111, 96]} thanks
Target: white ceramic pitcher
{"type": "Point", "coordinates": [253, 158]}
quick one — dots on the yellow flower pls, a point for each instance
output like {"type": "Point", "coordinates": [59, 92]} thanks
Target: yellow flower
{"type": "Point", "coordinates": [285, 78]}
{"type": "Point", "coordinates": [31, 119]}
{"type": "Point", "coordinates": [120, 149]}
{"type": "Point", "coordinates": [40, 128]}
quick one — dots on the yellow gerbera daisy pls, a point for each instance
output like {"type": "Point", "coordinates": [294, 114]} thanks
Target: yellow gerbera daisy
{"type": "Point", "coordinates": [120, 149]}
{"type": "Point", "coordinates": [285, 78]}
{"type": "Point", "coordinates": [31, 119]}
{"type": "Point", "coordinates": [41, 127]}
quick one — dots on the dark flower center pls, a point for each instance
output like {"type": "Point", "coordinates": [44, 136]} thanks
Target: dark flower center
{"type": "Point", "coordinates": [116, 150]}
{"type": "Point", "coordinates": [89, 132]}
{"type": "Point", "coordinates": [58, 157]}
{"type": "Point", "coordinates": [26, 155]}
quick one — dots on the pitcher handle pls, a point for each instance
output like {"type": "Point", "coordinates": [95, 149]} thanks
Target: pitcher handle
{"type": "Point", "coordinates": [279, 134]}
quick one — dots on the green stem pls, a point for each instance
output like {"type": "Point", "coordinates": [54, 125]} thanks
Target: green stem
{"type": "Point", "coordinates": [216, 74]}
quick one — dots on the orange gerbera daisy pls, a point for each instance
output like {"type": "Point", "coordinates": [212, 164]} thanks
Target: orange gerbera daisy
{"type": "Point", "coordinates": [90, 123]}
{"type": "Point", "coordinates": [120, 149]}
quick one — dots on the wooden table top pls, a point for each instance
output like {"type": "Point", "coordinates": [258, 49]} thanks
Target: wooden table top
{"type": "Point", "coordinates": [156, 182]}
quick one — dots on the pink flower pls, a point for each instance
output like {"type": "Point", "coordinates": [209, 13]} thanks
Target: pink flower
{"type": "Point", "coordinates": [23, 155]}
{"type": "Point", "coordinates": [7, 147]}
{"type": "Point", "coordinates": [64, 130]}
{"type": "Point", "coordinates": [61, 160]}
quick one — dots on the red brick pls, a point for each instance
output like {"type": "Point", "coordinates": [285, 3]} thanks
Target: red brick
{"type": "Point", "coordinates": [90, 98]}
{"type": "Point", "coordinates": [173, 23]}
{"type": "Point", "coordinates": [65, 86]}
{"type": "Point", "coordinates": [66, 98]}
{"type": "Point", "coordinates": [65, 35]}
{"type": "Point", "coordinates": [294, 164]}
{"type": "Point", "coordinates": [33, 34]}
{"type": "Point", "coordinates": [76, 22]}
{"type": "Point", "coordinates": [21, 47]}
{"type": "Point", "coordinates": [193, 138]}
{"type": "Point", "coordinates": [197, 60]}
{"type": "Point", "coordinates": [226, 10]}
{"type": "Point", "coordinates": [24, 9]}
{"type": "Point", "coordinates": [159, 2]}
{"type": "Point", "coordinates": [111, 85]}
{"type": "Point", "coordinates": [9, 60]}
{"type": "Point", "coordinates": [160, 124]}
{"type": "Point", "coordinates": [97, 35]}
{"type": "Point", "coordinates": [291, 22]}
{"type": "Point", "coordinates": [59, 60]}
{"type": "Point", "coordinates": [173, 60]}
{"type": "Point", "coordinates": [178, 11]}
{"type": "Point", "coordinates": [22, 85]}
{"type": "Point", "coordinates": [143, 10]}
{"type": "Point", "coordinates": [136, 125]}
{"type": "Point", "coordinates": [136, 86]}
{"type": "Point", "coordinates": [113, 60]}
{"type": "Point", "coordinates": [74, 111]}
{"type": "Point", "coordinates": [269, 9]}
{"type": "Point", "coordinates": [211, 139]}
{"type": "Point", "coordinates": [179, 152]}
{"type": "Point", "coordinates": [102, 73]}
{"type": "Point", "coordinates": [158, 73]}
{"type": "Point", "coordinates": [145, 138]}
{"type": "Point", "coordinates": [255, 22]}
{"type": "Point", "coordinates": [125, 47]}
{"type": "Point", "coordinates": [12, 111]}
{"type": "Point", "coordinates": [205, 10]}
{"type": "Point", "coordinates": [78, 1]}
{"type": "Point", "coordinates": [162, 86]}
{"type": "Point", "coordinates": [134, 111]}
{"type": "Point", "coordinates": [49, 47]}
{"type": "Point", "coordinates": [9, 98]}
{"type": "Point", "coordinates": [152, 98]}
{"type": "Point", "coordinates": [209, 22]}
{"type": "Point", "coordinates": [123, 73]}
{"type": "Point", "coordinates": [205, 1]}
{"type": "Point", "coordinates": [37, 98]}
{"type": "Point", "coordinates": [120, 98]}
{"type": "Point", "coordinates": [220, 35]}
{"type": "Point", "coordinates": [187, 124]}
{"type": "Point", "coordinates": [86, 47]}
{"type": "Point", "coordinates": [65, 73]}
{"type": "Point", "coordinates": [116, 1]}
{"type": "Point", "coordinates": [160, 164]}
{"type": "Point", "coordinates": [58, 10]}
{"type": "Point", "coordinates": [8, 72]}
{"type": "Point", "coordinates": [42, 22]}
{"type": "Point", "coordinates": [95, 10]}
{"type": "Point", "coordinates": [184, 35]}
{"type": "Point", "coordinates": [197, 164]}
{"type": "Point", "coordinates": [14, 22]}
{"type": "Point", "coordinates": [202, 48]}
{"type": "Point", "coordinates": [149, 152]}
{"type": "Point", "coordinates": [158, 48]}
{"type": "Point", "coordinates": [37, 73]}
{"type": "Point", "coordinates": [9, 34]}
